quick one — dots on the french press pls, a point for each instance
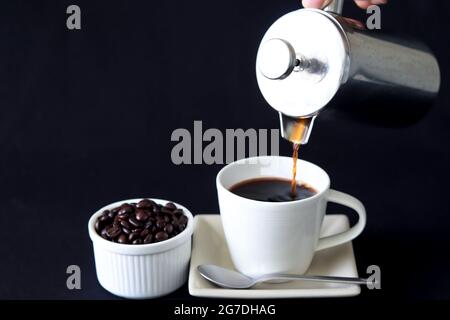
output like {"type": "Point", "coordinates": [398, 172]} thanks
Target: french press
{"type": "Point", "coordinates": [309, 57]}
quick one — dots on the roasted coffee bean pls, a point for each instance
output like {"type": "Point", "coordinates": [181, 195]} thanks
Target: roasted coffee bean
{"type": "Point", "coordinates": [113, 231]}
{"type": "Point", "coordinates": [122, 239]}
{"type": "Point", "coordinates": [125, 208]}
{"type": "Point", "coordinates": [148, 238]}
{"type": "Point", "coordinates": [111, 214]}
{"type": "Point", "coordinates": [98, 226]}
{"type": "Point", "coordinates": [160, 215]}
{"type": "Point", "coordinates": [168, 228]}
{"type": "Point", "coordinates": [103, 234]}
{"type": "Point", "coordinates": [177, 213]}
{"type": "Point", "coordinates": [125, 224]}
{"type": "Point", "coordinates": [157, 209]}
{"type": "Point", "coordinates": [126, 231]}
{"type": "Point", "coordinates": [166, 210]}
{"type": "Point", "coordinates": [141, 215]}
{"type": "Point", "coordinates": [137, 241]}
{"type": "Point", "coordinates": [135, 222]}
{"type": "Point", "coordinates": [183, 220]}
{"type": "Point", "coordinates": [104, 218]}
{"type": "Point", "coordinates": [160, 223]}
{"type": "Point", "coordinates": [123, 215]}
{"type": "Point", "coordinates": [144, 204]}
{"type": "Point", "coordinates": [181, 227]}
{"type": "Point", "coordinates": [170, 205]}
{"type": "Point", "coordinates": [144, 233]}
{"type": "Point", "coordinates": [133, 236]}
{"type": "Point", "coordinates": [161, 236]}
{"type": "Point", "coordinates": [148, 224]}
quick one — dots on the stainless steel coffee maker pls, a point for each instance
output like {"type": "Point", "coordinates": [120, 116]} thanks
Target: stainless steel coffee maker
{"type": "Point", "coordinates": [311, 57]}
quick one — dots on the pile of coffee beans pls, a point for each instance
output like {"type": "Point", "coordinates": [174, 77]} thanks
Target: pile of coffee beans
{"type": "Point", "coordinates": [141, 223]}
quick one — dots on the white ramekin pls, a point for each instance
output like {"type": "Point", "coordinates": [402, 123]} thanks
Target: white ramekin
{"type": "Point", "coordinates": [145, 270]}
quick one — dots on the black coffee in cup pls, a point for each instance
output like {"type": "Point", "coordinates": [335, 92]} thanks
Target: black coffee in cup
{"type": "Point", "coordinates": [272, 189]}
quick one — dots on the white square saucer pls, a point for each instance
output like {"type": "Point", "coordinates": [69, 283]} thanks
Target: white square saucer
{"type": "Point", "coordinates": [209, 247]}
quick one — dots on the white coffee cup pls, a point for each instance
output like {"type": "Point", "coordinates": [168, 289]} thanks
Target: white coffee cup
{"type": "Point", "coordinates": [279, 237]}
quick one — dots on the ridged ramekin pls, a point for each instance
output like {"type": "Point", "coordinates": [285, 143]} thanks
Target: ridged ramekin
{"type": "Point", "coordinates": [146, 270]}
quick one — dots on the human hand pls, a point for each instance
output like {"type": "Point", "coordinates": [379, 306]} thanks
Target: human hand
{"type": "Point", "coordinates": [363, 4]}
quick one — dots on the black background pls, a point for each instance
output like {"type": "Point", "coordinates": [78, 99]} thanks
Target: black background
{"type": "Point", "coordinates": [86, 118]}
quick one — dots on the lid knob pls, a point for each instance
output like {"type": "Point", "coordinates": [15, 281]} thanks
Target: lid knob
{"type": "Point", "coordinates": [276, 59]}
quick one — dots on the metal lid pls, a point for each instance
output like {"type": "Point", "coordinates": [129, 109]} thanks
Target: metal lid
{"type": "Point", "coordinates": [301, 62]}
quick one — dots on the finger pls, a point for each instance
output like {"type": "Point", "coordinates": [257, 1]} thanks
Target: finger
{"type": "Point", "coordinates": [319, 4]}
{"type": "Point", "coordinates": [364, 4]}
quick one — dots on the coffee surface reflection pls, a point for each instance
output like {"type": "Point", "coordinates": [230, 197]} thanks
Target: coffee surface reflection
{"type": "Point", "coordinates": [272, 189]}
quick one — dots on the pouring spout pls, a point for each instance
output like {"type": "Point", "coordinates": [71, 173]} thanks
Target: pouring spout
{"type": "Point", "coordinates": [296, 130]}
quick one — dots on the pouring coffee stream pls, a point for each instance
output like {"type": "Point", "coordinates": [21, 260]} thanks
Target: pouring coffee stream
{"type": "Point", "coordinates": [296, 146]}
{"type": "Point", "coordinates": [298, 132]}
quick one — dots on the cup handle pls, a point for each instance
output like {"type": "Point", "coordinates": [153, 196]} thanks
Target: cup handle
{"type": "Point", "coordinates": [346, 236]}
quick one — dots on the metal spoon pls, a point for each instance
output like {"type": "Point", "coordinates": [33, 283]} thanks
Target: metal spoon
{"type": "Point", "coordinates": [231, 279]}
